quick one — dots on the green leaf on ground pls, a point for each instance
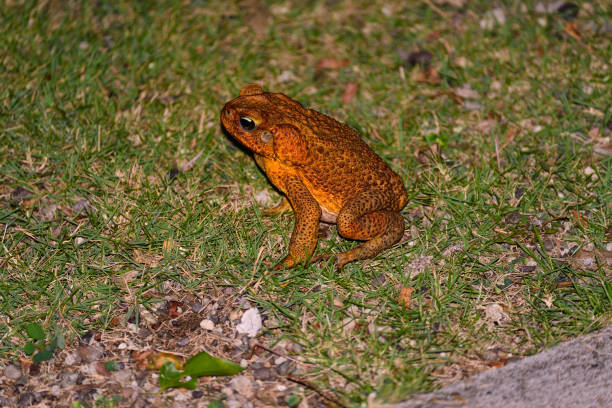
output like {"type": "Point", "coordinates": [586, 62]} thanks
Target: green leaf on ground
{"type": "Point", "coordinates": [35, 331]}
{"type": "Point", "coordinates": [42, 355]}
{"type": "Point", "coordinates": [59, 341]}
{"type": "Point", "coordinates": [29, 348]}
{"type": "Point", "coordinates": [200, 365]}
{"type": "Point", "coordinates": [170, 377]}
{"type": "Point", "coordinates": [203, 364]}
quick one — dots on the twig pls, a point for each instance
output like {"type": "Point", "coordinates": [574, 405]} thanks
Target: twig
{"type": "Point", "coordinates": [497, 153]}
{"type": "Point", "coordinates": [437, 10]}
{"type": "Point", "coordinates": [276, 353]}
{"type": "Point", "coordinates": [189, 164]}
{"type": "Point", "coordinates": [244, 289]}
{"type": "Point", "coordinates": [313, 387]}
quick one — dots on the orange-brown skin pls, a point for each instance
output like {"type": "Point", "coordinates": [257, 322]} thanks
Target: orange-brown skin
{"type": "Point", "coordinates": [324, 169]}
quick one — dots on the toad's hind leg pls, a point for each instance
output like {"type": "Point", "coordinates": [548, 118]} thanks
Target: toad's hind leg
{"type": "Point", "coordinates": [372, 217]}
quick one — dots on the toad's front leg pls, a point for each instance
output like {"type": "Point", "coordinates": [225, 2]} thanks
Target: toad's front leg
{"type": "Point", "coordinates": [307, 214]}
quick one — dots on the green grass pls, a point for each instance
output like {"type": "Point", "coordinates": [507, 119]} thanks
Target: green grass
{"type": "Point", "coordinates": [99, 101]}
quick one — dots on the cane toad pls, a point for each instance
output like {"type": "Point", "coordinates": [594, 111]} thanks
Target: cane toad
{"type": "Point", "coordinates": [324, 169]}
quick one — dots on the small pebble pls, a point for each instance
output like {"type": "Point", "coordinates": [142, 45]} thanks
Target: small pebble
{"type": "Point", "coordinates": [569, 11]}
{"type": "Point", "coordinates": [263, 374]}
{"type": "Point", "coordinates": [285, 368]}
{"type": "Point", "coordinates": [122, 376]}
{"type": "Point", "coordinates": [421, 57]}
{"type": "Point", "coordinates": [26, 399]}
{"type": "Point", "coordinates": [82, 204]}
{"type": "Point", "coordinates": [262, 198]}
{"type": "Point", "coordinates": [143, 332]}
{"type": "Point", "coordinates": [236, 352]}
{"type": "Point", "coordinates": [325, 231]}
{"type": "Point", "coordinates": [13, 372]}
{"type": "Point", "coordinates": [173, 173]}
{"type": "Point", "coordinates": [472, 106]}
{"type": "Point", "coordinates": [243, 386]}
{"type": "Point", "coordinates": [196, 307]}
{"type": "Point", "coordinates": [21, 381]}
{"type": "Point", "coordinates": [89, 353]}
{"type": "Point", "coordinates": [296, 348]}
{"type": "Point", "coordinates": [68, 379]}
{"type": "Point", "coordinates": [20, 194]}
{"type": "Point", "coordinates": [286, 76]}
{"type": "Point", "coordinates": [207, 324]}
{"type": "Point", "coordinates": [513, 218]}
{"type": "Point", "coordinates": [548, 244]}
{"type": "Point", "coordinates": [518, 193]}
{"type": "Point", "coordinates": [379, 280]}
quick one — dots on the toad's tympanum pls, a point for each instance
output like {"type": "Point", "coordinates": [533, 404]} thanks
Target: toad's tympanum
{"type": "Point", "coordinates": [325, 171]}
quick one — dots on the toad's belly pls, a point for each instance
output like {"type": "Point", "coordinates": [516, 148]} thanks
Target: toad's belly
{"type": "Point", "coordinates": [327, 215]}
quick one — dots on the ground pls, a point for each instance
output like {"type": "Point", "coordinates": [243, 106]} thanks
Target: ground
{"type": "Point", "coordinates": [132, 224]}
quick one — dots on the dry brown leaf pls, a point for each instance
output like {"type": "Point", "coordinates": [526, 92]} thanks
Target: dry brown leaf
{"type": "Point", "coordinates": [147, 258]}
{"type": "Point", "coordinates": [141, 358]}
{"type": "Point", "coordinates": [175, 308]}
{"type": "Point", "coordinates": [466, 92]}
{"type": "Point", "coordinates": [417, 266]}
{"type": "Point", "coordinates": [579, 218]}
{"type": "Point", "coordinates": [498, 363]}
{"type": "Point", "coordinates": [604, 257]}
{"type": "Point", "coordinates": [101, 369]}
{"type": "Point", "coordinates": [123, 280]}
{"type": "Point", "coordinates": [590, 260]}
{"type": "Point", "coordinates": [571, 29]}
{"type": "Point", "coordinates": [433, 35]}
{"type": "Point", "coordinates": [594, 133]}
{"type": "Point", "coordinates": [429, 76]}
{"type": "Point", "coordinates": [584, 260]}
{"type": "Point", "coordinates": [405, 297]}
{"type": "Point", "coordinates": [349, 92]}
{"type": "Point", "coordinates": [154, 360]}
{"type": "Point", "coordinates": [332, 63]}
{"type": "Point", "coordinates": [257, 15]}
{"type": "Point", "coordinates": [25, 364]}
{"type": "Point", "coordinates": [494, 312]}
{"type": "Point", "coordinates": [548, 300]}
{"type": "Point", "coordinates": [169, 244]}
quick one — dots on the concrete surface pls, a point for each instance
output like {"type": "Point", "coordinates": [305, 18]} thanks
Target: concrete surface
{"type": "Point", "coordinates": [575, 374]}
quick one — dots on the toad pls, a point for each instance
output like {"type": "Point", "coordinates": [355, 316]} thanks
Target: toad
{"type": "Point", "coordinates": [325, 172]}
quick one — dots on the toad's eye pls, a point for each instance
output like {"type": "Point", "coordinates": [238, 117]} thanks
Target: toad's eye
{"type": "Point", "coordinates": [247, 124]}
